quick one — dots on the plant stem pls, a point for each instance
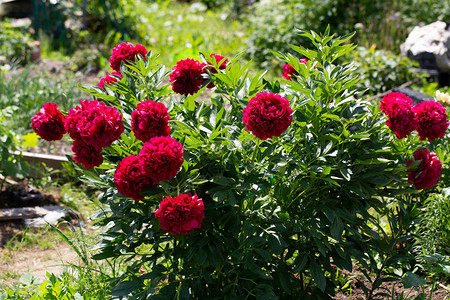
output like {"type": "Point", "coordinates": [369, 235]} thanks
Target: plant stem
{"type": "Point", "coordinates": [258, 142]}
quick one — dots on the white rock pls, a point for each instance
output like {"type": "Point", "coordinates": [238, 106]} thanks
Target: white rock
{"type": "Point", "coordinates": [432, 38]}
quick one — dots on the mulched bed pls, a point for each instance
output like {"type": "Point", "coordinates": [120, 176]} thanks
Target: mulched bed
{"type": "Point", "coordinates": [396, 290]}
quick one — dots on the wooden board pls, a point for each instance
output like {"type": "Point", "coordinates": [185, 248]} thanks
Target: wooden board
{"type": "Point", "coordinates": [26, 212]}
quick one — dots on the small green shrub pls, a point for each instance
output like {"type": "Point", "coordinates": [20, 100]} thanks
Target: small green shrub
{"type": "Point", "coordinates": [434, 229]}
{"type": "Point", "coordinates": [10, 164]}
{"type": "Point", "coordinates": [14, 44]}
{"type": "Point", "coordinates": [271, 23]}
{"type": "Point", "coordinates": [380, 70]}
{"type": "Point", "coordinates": [28, 92]}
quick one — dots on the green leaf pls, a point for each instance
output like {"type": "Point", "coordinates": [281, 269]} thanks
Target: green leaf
{"type": "Point", "coordinates": [124, 288]}
{"type": "Point", "coordinates": [337, 228]}
{"type": "Point", "coordinates": [300, 263]}
{"type": "Point", "coordinates": [201, 257]}
{"type": "Point", "coordinates": [346, 173]}
{"type": "Point", "coordinates": [317, 275]}
{"type": "Point", "coordinates": [30, 140]}
{"type": "Point", "coordinates": [411, 280]}
{"type": "Point", "coordinates": [212, 116]}
{"type": "Point", "coordinates": [326, 171]}
{"type": "Point", "coordinates": [414, 164]}
{"type": "Point", "coordinates": [28, 279]}
{"type": "Point", "coordinates": [257, 270]}
{"type": "Point", "coordinates": [275, 244]}
{"type": "Point", "coordinates": [285, 281]}
{"type": "Point", "coordinates": [189, 103]}
{"type": "Point", "coordinates": [264, 254]}
{"type": "Point", "coordinates": [225, 181]}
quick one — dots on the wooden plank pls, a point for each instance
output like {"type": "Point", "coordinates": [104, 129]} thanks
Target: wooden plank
{"type": "Point", "coordinates": [8, 180]}
{"type": "Point", "coordinates": [52, 161]}
{"type": "Point", "coordinates": [26, 212]}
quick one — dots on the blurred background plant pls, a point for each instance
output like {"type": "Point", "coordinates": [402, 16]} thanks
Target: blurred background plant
{"type": "Point", "coordinates": [28, 92]}
{"type": "Point", "coordinates": [10, 164]}
{"type": "Point", "coordinates": [382, 70]}
{"type": "Point", "coordinates": [14, 44]}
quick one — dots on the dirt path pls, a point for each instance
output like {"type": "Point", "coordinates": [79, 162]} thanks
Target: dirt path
{"type": "Point", "coordinates": [37, 262]}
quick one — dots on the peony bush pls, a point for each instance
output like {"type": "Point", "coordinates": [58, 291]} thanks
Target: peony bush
{"type": "Point", "coordinates": [264, 192]}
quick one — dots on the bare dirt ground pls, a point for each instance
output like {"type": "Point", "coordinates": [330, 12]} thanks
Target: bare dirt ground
{"type": "Point", "coordinates": [46, 254]}
{"type": "Point", "coordinates": [37, 262]}
{"type": "Point", "coordinates": [397, 291]}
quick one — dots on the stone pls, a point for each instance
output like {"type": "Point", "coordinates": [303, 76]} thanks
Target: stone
{"type": "Point", "coordinates": [415, 96]}
{"type": "Point", "coordinates": [429, 41]}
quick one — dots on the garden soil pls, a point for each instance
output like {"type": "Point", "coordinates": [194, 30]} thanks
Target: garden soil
{"type": "Point", "coordinates": [36, 262]}
{"type": "Point", "coordinates": [28, 260]}
{"type": "Point", "coordinates": [397, 291]}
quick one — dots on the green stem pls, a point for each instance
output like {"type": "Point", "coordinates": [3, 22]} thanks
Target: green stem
{"type": "Point", "coordinates": [175, 259]}
{"type": "Point", "coordinates": [258, 142]}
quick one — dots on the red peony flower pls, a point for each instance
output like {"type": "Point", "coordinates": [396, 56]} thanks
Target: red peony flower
{"type": "Point", "coordinates": [427, 174]}
{"type": "Point", "coordinates": [289, 71]}
{"type": "Point", "coordinates": [186, 77]}
{"type": "Point", "coordinates": [150, 119]}
{"type": "Point", "coordinates": [393, 99]}
{"type": "Point", "coordinates": [108, 79]}
{"type": "Point", "coordinates": [129, 179]}
{"type": "Point", "coordinates": [95, 123]}
{"type": "Point", "coordinates": [402, 119]}
{"type": "Point", "coordinates": [180, 215]}
{"type": "Point", "coordinates": [431, 120]}
{"type": "Point", "coordinates": [86, 155]}
{"type": "Point", "coordinates": [125, 52]}
{"type": "Point", "coordinates": [48, 123]}
{"type": "Point", "coordinates": [267, 115]}
{"type": "Point", "coordinates": [222, 66]}
{"type": "Point", "coordinates": [161, 158]}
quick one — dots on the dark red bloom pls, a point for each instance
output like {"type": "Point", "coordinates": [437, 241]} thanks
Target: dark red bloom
{"type": "Point", "coordinates": [129, 179]}
{"type": "Point", "coordinates": [186, 77]}
{"type": "Point", "coordinates": [431, 120]}
{"type": "Point", "coordinates": [161, 158]}
{"type": "Point", "coordinates": [180, 215]}
{"type": "Point", "coordinates": [125, 52]}
{"type": "Point", "coordinates": [391, 100]}
{"type": "Point", "coordinates": [402, 119]}
{"type": "Point", "coordinates": [267, 115]}
{"type": "Point", "coordinates": [428, 172]}
{"type": "Point", "coordinates": [289, 71]}
{"type": "Point", "coordinates": [95, 123]}
{"type": "Point", "coordinates": [222, 66]}
{"type": "Point", "coordinates": [150, 119]}
{"type": "Point", "coordinates": [86, 155]}
{"type": "Point", "coordinates": [108, 79]}
{"type": "Point", "coordinates": [48, 123]}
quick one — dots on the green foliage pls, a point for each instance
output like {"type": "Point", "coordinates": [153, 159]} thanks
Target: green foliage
{"type": "Point", "coordinates": [280, 213]}
{"type": "Point", "coordinates": [105, 15]}
{"type": "Point", "coordinates": [14, 44]}
{"type": "Point", "coordinates": [28, 92]}
{"type": "Point", "coordinates": [63, 287]}
{"type": "Point", "coordinates": [434, 229]}
{"type": "Point", "coordinates": [179, 30]}
{"type": "Point", "coordinates": [271, 26]}
{"type": "Point", "coordinates": [10, 164]}
{"type": "Point", "coordinates": [271, 23]}
{"type": "Point", "coordinates": [87, 280]}
{"type": "Point", "coordinates": [381, 70]}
